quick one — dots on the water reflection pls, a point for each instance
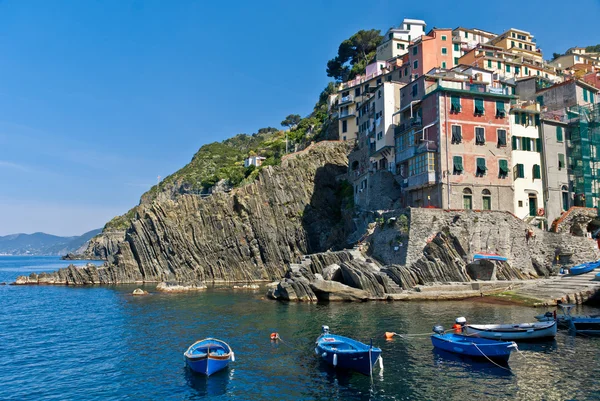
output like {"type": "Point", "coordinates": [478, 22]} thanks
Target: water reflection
{"type": "Point", "coordinates": [445, 360]}
{"type": "Point", "coordinates": [215, 385]}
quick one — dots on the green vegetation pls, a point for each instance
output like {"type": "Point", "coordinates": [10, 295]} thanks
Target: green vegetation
{"type": "Point", "coordinates": [354, 54]}
{"type": "Point", "coordinates": [593, 49]}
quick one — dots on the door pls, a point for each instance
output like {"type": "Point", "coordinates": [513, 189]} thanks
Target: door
{"type": "Point", "coordinates": [532, 205]}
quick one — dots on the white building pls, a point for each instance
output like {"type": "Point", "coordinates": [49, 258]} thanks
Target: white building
{"type": "Point", "coordinates": [527, 162]}
{"type": "Point", "coordinates": [396, 40]}
{"type": "Point", "coordinates": [254, 161]}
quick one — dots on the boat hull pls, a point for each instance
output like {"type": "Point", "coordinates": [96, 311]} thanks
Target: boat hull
{"type": "Point", "coordinates": [206, 366]}
{"type": "Point", "coordinates": [345, 353]}
{"type": "Point", "coordinates": [584, 268]}
{"type": "Point", "coordinates": [585, 326]}
{"type": "Point", "coordinates": [357, 361]}
{"type": "Point", "coordinates": [518, 332]}
{"type": "Point", "coordinates": [473, 347]}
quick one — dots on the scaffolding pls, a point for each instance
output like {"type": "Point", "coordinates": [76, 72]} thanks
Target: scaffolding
{"type": "Point", "coordinates": [584, 129]}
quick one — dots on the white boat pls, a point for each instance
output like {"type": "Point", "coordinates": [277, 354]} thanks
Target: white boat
{"type": "Point", "coordinates": [513, 332]}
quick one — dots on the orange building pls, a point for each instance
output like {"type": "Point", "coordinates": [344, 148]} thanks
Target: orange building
{"type": "Point", "coordinates": [433, 50]}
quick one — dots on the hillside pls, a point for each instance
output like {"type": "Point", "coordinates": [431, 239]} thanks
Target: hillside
{"type": "Point", "coordinates": [43, 244]}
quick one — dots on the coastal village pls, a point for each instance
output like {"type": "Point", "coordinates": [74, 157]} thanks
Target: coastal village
{"type": "Point", "coordinates": [468, 119]}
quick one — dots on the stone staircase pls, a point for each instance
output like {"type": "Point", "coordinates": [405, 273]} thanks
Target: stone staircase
{"type": "Point", "coordinates": [395, 288]}
{"type": "Point", "coordinates": [568, 289]}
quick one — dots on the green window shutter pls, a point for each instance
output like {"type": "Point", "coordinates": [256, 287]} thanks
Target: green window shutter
{"type": "Point", "coordinates": [500, 109]}
{"type": "Point", "coordinates": [514, 143]}
{"type": "Point", "coordinates": [456, 60]}
{"type": "Point", "coordinates": [455, 104]}
{"type": "Point", "coordinates": [501, 137]}
{"type": "Point", "coordinates": [537, 120]}
{"type": "Point", "coordinates": [499, 65]}
{"type": "Point", "coordinates": [517, 118]}
{"type": "Point", "coordinates": [591, 97]}
{"type": "Point", "coordinates": [585, 97]}
{"type": "Point", "coordinates": [526, 71]}
{"type": "Point", "coordinates": [507, 68]}
{"type": "Point", "coordinates": [481, 168]}
{"type": "Point", "coordinates": [479, 106]}
{"type": "Point", "coordinates": [537, 171]}
{"type": "Point", "coordinates": [540, 100]}
{"type": "Point", "coordinates": [538, 145]}
{"type": "Point", "coordinates": [489, 63]}
{"type": "Point", "coordinates": [456, 48]}
{"type": "Point", "coordinates": [457, 162]}
{"type": "Point", "coordinates": [520, 171]}
{"type": "Point", "coordinates": [559, 134]}
{"type": "Point", "coordinates": [503, 167]}
{"type": "Point", "coordinates": [561, 161]}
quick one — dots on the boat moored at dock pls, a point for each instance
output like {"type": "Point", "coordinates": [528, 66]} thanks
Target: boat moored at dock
{"type": "Point", "coordinates": [208, 356]}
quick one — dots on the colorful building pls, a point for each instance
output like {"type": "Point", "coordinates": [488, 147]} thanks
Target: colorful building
{"type": "Point", "coordinates": [397, 40]}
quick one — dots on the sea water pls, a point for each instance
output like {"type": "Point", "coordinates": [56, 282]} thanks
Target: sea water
{"type": "Point", "coordinates": [102, 343]}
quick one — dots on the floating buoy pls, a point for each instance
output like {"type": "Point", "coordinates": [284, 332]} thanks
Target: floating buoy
{"type": "Point", "coordinates": [274, 336]}
{"type": "Point", "coordinates": [389, 334]}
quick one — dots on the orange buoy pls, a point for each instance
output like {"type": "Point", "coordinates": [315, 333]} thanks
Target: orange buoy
{"type": "Point", "coordinates": [389, 334]}
{"type": "Point", "coordinates": [274, 336]}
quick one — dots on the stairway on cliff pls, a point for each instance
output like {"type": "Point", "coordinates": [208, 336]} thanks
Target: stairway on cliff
{"type": "Point", "coordinates": [387, 278]}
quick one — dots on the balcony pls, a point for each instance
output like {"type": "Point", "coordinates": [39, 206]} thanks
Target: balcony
{"type": "Point", "coordinates": [346, 99]}
{"type": "Point", "coordinates": [421, 180]}
{"type": "Point", "coordinates": [466, 87]}
{"type": "Point", "coordinates": [346, 114]}
{"type": "Point", "coordinates": [414, 122]}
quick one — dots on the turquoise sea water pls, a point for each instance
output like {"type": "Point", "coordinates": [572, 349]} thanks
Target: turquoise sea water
{"type": "Point", "coordinates": [99, 343]}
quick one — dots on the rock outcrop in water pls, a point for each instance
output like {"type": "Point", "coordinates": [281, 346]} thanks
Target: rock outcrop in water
{"type": "Point", "coordinates": [249, 234]}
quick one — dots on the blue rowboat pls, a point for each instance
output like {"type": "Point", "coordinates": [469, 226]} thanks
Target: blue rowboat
{"type": "Point", "coordinates": [489, 256]}
{"type": "Point", "coordinates": [584, 268]}
{"type": "Point", "coordinates": [346, 353]}
{"type": "Point", "coordinates": [208, 356]}
{"type": "Point", "coordinates": [474, 346]}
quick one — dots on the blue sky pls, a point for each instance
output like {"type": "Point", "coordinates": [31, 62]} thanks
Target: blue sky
{"type": "Point", "coordinates": [98, 98]}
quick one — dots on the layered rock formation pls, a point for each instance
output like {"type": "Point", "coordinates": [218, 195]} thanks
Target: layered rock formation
{"type": "Point", "coordinates": [251, 233]}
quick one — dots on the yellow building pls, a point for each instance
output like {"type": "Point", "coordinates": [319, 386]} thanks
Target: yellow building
{"type": "Point", "coordinates": [520, 43]}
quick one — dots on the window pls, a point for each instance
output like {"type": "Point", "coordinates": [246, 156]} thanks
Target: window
{"type": "Point", "coordinates": [443, 64]}
{"type": "Point", "coordinates": [455, 104]}
{"type": "Point", "coordinates": [512, 43]}
{"type": "Point", "coordinates": [379, 136]}
{"type": "Point", "coordinates": [559, 134]}
{"type": "Point", "coordinates": [423, 163]}
{"type": "Point", "coordinates": [444, 50]}
{"type": "Point", "coordinates": [415, 50]}
{"type": "Point", "coordinates": [467, 199]}
{"type": "Point", "coordinates": [345, 126]}
{"type": "Point", "coordinates": [415, 90]}
{"type": "Point", "coordinates": [585, 95]}
{"type": "Point", "coordinates": [456, 60]}
{"type": "Point", "coordinates": [379, 94]}
{"type": "Point", "coordinates": [502, 168]}
{"type": "Point", "coordinates": [479, 136]}
{"type": "Point", "coordinates": [378, 81]}
{"type": "Point", "coordinates": [501, 137]}
{"type": "Point", "coordinates": [591, 97]}
{"type": "Point", "coordinates": [487, 199]}
{"type": "Point", "coordinates": [489, 63]}
{"type": "Point", "coordinates": [520, 203]}
{"type": "Point", "coordinates": [507, 68]}
{"type": "Point", "coordinates": [520, 45]}
{"type": "Point", "coordinates": [443, 37]}
{"type": "Point", "coordinates": [565, 197]}
{"type": "Point", "coordinates": [399, 46]}
{"type": "Point", "coordinates": [561, 161]}
{"type": "Point", "coordinates": [500, 112]}
{"type": "Point", "coordinates": [519, 171]}
{"type": "Point", "coordinates": [466, 35]}
{"type": "Point", "coordinates": [513, 35]}
{"type": "Point", "coordinates": [408, 27]}
{"type": "Point", "coordinates": [537, 171]}
{"type": "Point", "coordinates": [406, 72]}
{"type": "Point", "coordinates": [357, 92]}
{"type": "Point", "coordinates": [456, 47]}
{"type": "Point", "coordinates": [415, 64]}
{"type": "Point", "coordinates": [540, 100]}
{"type": "Point", "coordinates": [458, 165]}
{"type": "Point", "coordinates": [516, 141]}
{"type": "Point", "coordinates": [499, 65]}
{"type": "Point", "coordinates": [526, 71]}
{"type": "Point", "coordinates": [456, 134]}
{"type": "Point", "coordinates": [517, 70]}
{"type": "Point", "coordinates": [481, 168]}
{"type": "Point", "coordinates": [479, 106]}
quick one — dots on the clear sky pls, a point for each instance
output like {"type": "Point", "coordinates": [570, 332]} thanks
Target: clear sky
{"type": "Point", "coordinates": [99, 97]}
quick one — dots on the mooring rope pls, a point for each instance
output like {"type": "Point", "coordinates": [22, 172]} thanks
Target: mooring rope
{"type": "Point", "coordinates": [486, 357]}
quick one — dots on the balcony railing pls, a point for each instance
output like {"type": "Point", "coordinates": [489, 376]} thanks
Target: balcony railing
{"type": "Point", "coordinates": [410, 123]}
{"type": "Point", "coordinates": [466, 86]}
{"type": "Point", "coordinates": [346, 114]}
{"type": "Point", "coordinates": [347, 99]}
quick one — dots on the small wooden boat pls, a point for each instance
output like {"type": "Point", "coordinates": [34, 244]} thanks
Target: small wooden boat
{"type": "Point", "coordinates": [346, 353]}
{"type": "Point", "coordinates": [208, 356]}
{"type": "Point", "coordinates": [473, 346]}
{"type": "Point", "coordinates": [513, 332]}
{"type": "Point", "coordinates": [584, 268]}
{"type": "Point", "coordinates": [489, 256]}
{"type": "Point", "coordinates": [581, 324]}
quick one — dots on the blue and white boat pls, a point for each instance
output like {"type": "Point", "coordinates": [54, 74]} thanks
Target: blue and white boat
{"type": "Point", "coordinates": [208, 356]}
{"type": "Point", "coordinates": [584, 268]}
{"type": "Point", "coordinates": [346, 353]}
{"type": "Point", "coordinates": [473, 346]}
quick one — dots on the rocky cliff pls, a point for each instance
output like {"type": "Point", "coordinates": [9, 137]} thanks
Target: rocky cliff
{"type": "Point", "coordinates": [251, 233]}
